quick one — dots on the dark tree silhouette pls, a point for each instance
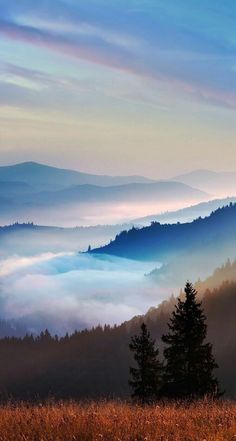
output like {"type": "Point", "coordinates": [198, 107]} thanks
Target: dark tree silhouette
{"type": "Point", "coordinates": [189, 361]}
{"type": "Point", "coordinates": [146, 377]}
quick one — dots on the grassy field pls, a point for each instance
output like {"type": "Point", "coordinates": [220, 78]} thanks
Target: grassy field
{"type": "Point", "coordinates": [119, 422]}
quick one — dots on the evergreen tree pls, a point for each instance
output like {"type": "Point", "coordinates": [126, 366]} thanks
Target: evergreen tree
{"type": "Point", "coordinates": [146, 377]}
{"type": "Point", "coordinates": [189, 360]}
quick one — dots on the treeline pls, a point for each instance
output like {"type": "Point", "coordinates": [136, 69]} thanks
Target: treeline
{"type": "Point", "coordinates": [18, 225]}
{"type": "Point", "coordinates": [12, 328]}
{"type": "Point", "coordinates": [95, 363]}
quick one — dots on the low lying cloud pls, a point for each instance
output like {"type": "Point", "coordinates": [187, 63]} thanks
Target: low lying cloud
{"type": "Point", "coordinates": [67, 290]}
{"type": "Point", "coordinates": [17, 264]}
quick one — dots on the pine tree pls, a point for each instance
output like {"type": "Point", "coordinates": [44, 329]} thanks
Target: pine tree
{"type": "Point", "coordinates": [189, 369]}
{"type": "Point", "coordinates": [146, 377]}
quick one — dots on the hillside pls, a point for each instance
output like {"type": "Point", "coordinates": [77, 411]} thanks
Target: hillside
{"type": "Point", "coordinates": [164, 242]}
{"type": "Point", "coordinates": [187, 214]}
{"type": "Point", "coordinates": [95, 363]}
{"type": "Point", "coordinates": [22, 237]}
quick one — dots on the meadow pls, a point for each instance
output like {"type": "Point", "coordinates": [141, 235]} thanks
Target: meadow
{"type": "Point", "coordinates": [117, 421]}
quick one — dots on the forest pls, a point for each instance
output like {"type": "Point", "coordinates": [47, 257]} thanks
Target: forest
{"type": "Point", "coordinates": [164, 241]}
{"type": "Point", "coordinates": [95, 363]}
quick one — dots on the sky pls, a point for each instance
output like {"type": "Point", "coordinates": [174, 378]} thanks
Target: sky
{"type": "Point", "coordinates": [137, 87]}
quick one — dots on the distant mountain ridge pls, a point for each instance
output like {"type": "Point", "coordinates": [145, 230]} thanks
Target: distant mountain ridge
{"type": "Point", "coordinates": [40, 176]}
{"type": "Point", "coordinates": [29, 190]}
{"type": "Point", "coordinates": [52, 196]}
{"type": "Point", "coordinates": [216, 183]}
{"type": "Point", "coordinates": [45, 177]}
{"type": "Point", "coordinates": [127, 192]}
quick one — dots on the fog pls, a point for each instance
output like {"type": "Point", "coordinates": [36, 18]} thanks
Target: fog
{"type": "Point", "coordinates": [46, 282]}
{"type": "Point", "coordinates": [29, 240]}
{"type": "Point", "coordinates": [65, 291]}
{"type": "Point", "coordinates": [70, 215]}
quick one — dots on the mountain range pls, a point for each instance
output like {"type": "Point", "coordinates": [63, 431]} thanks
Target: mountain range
{"type": "Point", "coordinates": [48, 195]}
{"type": "Point", "coordinates": [44, 177]}
{"type": "Point", "coordinates": [52, 196]}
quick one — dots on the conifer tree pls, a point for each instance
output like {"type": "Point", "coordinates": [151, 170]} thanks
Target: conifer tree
{"type": "Point", "coordinates": [189, 369]}
{"type": "Point", "coordinates": [146, 377]}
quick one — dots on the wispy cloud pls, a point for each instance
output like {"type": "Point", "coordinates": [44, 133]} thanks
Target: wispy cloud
{"type": "Point", "coordinates": [95, 50]}
{"type": "Point", "coordinates": [159, 46]}
{"type": "Point", "coordinates": [123, 72]}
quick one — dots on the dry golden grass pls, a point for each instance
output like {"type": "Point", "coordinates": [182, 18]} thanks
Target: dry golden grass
{"type": "Point", "coordinates": [118, 422]}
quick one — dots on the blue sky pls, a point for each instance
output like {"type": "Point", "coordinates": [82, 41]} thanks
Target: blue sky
{"type": "Point", "coordinates": [143, 87]}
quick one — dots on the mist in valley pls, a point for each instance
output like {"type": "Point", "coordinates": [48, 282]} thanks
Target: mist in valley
{"type": "Point", "coordinates": [68, 291]}
{"type": "Point", "coordinates": [47, 280]}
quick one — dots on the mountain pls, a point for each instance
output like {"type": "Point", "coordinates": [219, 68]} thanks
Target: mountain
{"type": "Point", "coordinates": [187, 214]}
{"type": "Point", "coordinates": [166, 242]}
{"type": "Point", "coordinates": [29, 238]}
{"type": "Point", "coordinates": [47, 197]}
{"type": "Point", "coordinates": [179, 251]}
{"type": "Point", "coordinates": [156, 192]}
{"type": "Point", "coordinates": [44, 177]}
{"type": "Point", "coordinates": [220, 184]}
{"type": "Point", "coordinates": [14, 188]}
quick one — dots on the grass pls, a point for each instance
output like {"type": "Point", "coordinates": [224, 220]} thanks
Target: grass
{"type": "Point", "coordinates": [118, 422]}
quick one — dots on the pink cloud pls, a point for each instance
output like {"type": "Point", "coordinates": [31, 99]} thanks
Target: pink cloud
{"type": "Point", "coordinates": [99, 51]}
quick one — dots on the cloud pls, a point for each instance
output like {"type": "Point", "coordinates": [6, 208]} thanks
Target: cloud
{"type": "Point", "coordinates": [87, 47]}
{"type": "Point", "coordinates": [64, 291]}
{"type": "Point", "coordinates": [32, 88]}
{"type": "Point", "coordinates": [16, 264]}
{"type": "Point", "coordinates": [160, 44]}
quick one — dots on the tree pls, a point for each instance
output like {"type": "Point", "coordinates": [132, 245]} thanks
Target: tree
{"type": "Point", "coordinates": [189, 368]}
{"type": "Point", "coordinates": [146, 377]}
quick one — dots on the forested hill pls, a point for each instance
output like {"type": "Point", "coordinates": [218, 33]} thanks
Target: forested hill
{"type": "Point", "coordinates": [161, 242]}
{"type": "Point", "coordinates": [95, 363]}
